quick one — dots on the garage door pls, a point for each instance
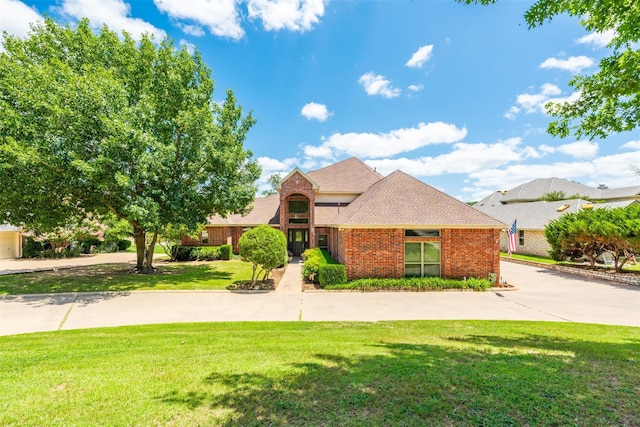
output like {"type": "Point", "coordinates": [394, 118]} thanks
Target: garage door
{"type": "Point", "coordinates": [9, 244]}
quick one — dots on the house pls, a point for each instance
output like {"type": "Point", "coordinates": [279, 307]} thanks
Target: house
{"type": "Point", "coordinates": [377, 226]}
{"type": "Point", "coordinates": [522, 203]}
{"type": "Point", "coordinates": [10, 241]}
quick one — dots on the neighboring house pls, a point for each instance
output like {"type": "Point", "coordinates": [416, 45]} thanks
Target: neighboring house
{"type": "Point", "coordinates": [377, 226]}
{"type": "Point", "coordinates": [10, 241]}
{"type": "Point", "coordinates": [522, 204]}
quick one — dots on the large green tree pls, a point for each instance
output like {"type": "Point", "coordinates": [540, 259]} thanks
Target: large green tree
{"type": "Point", "coordinates": [591, 232]}
{"type": "Point", "coordinates": [609, 99]}
{"type": "Point", "coordinates": [92, 124]}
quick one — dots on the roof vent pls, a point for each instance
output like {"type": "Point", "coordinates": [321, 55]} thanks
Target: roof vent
{"type": "Point", "coordinates": [602, 187]}
{"type": "Point", "coordinates": [563, 208]}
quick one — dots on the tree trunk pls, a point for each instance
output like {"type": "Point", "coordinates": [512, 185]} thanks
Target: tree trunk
{"type": "Point", "coordinates": [139, 240]}
{"type": "Point", "coordinates": [150, 251]}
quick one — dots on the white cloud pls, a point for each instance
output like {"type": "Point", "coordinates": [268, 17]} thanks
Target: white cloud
{"type": "Point", "coordinates": [270, 166]}
{"type": "Point", "coordinates": [369, 145]}
{"type": "Point", "coordinates": [415, 88]}
{"type": "Point", "coordinates": [580, 149]}
{"type": "Point", "coordinates": [535, 102]}
{"type": "Point", "coordinates": [113, 13]}
{"type": "Point", "coordinates": [632, 145]}
{"type": "Point", "coordinates": [575, 64]}
{"type": "Point", "coordinates": [189, 46]}
{"type": "Point", "coordinates": [420, 56]}
{"type": "Point", "coordinates": [16, 17]}
{"type": "Point", "coordinates": [613, 170]}
{"type": "Point", "coordinates": [221, 17]}
{"type": "Point", "coordinates": [316, 111]}
{"type": "Point", "coordinates": [464, 158]}
{"type": "Point", "coordinates": [375, 84]}
{"type": "Point", "coordinates": [192, 30]}
{"type": "Point", "coordinates": [598, 39]}
{"type": "Point", "coordinates": [294, 15]}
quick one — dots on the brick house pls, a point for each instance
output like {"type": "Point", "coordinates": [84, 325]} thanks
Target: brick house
{"type": "Point", "coordinates": [377, 226]}
{"type": "Point", "coordinates": [523, 203]}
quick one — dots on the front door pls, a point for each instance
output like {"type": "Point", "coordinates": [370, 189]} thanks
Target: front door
{"type": "Point", "coordinates": [298, 240]}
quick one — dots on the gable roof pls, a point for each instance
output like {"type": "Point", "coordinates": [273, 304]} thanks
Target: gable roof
{"type": "Point", "coordinates": [348, 176]}
{"type": "Point", "coordinates": [533, 190]}
{"type": "Point", "coordinates": [401, 200]}
{"type": "Point", "coordinates": [535, 215]}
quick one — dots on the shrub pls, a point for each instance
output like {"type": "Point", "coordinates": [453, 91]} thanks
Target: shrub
{"type": "Point", "coordinates": [31, 248]}
{"type": "Point", "coordinates": [414, 284]}
{"type": "Point", "coordinates": [205, 253]}
{"type": "Point", "coordinates": [86, 243]}
{"type": "Point", "coordinates": [332, 274]}
{"type": "Point", "coordinates": [183, 253]}
{"type": "Point", "coordinates": [313, 259]}
{"type": "Point", "coordinates": [124, 244]}
{"type": "Point", "coordinates": [263, 246]}
{"type": "Point", "coordinates": [225, 252]}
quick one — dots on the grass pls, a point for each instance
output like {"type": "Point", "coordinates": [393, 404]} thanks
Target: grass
{"type": "Point", "coordinates": [118, 277]}
{"type": "Point", "coordinates": [532, 258]}
{"type": "Point", "coordinates": [436, 373]}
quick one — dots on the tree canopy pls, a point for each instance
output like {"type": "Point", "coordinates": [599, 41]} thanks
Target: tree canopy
{"type": "Point", "coordinates": [590, 232]}
{"type": "Point", "coordinates": [264, 247]}
{"type": "Point", "coordinates": [608, 100]}
{"type": "Point", "coordinates": [93, 124]}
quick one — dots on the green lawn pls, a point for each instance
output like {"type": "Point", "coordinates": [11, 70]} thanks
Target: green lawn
{"type": "Point", "coordinates": [118, 277]}
{"type": "Point", "coordinates": [428, 373]}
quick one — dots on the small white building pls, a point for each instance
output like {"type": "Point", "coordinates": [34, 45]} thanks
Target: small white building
{"type": "Point", "coordinates": [10, 241]}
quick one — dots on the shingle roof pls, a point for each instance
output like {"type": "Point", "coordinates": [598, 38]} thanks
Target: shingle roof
{"type": "Point", "coordinates": [533, 190]}
{"type": "Point", "coordinates": [348, 176]}
{"type": "Point", "coordinates": [535, 215]}
{"type": "Point", "coordinates": [401, 200]}
{"type": "Point", "coordinates": [265, 211]}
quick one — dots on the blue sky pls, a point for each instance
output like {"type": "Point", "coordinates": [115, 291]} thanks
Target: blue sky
{"type": "Point", "coordinates": [451, 94]}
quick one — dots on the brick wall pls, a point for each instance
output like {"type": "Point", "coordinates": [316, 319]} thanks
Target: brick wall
{"type": "Point", "coordinates": [470, 253]}
{"type": "Point", "coordinates": [380, 252]}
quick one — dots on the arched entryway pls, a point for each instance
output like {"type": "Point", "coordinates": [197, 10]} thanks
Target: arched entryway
{"type": "Point", "coordinates": [298, 214]}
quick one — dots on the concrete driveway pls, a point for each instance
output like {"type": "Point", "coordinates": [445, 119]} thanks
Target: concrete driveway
{"type": "Point", "coordinates": [540, 295]}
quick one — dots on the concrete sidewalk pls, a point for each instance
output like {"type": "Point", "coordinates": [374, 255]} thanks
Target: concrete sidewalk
{"type": "Point", "coordinates": [540, 295]}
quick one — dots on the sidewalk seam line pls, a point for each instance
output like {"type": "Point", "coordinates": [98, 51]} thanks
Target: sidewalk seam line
{"type": "Point", "coordinates": [66, 315]}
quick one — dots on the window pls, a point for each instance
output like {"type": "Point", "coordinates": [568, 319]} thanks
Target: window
{"type": "Point", "coordinates": [298, 206]}
{"type": "Point", "coordinates": [421, 259]}
{"type": "Point", "coordinates": [323, 241]}
{"type": "Point", "coordinates": [521, 237]}
{"type": "Point", "coordinates": [298, 220]}
{"type": "Point", "coordinates": [422, 233]}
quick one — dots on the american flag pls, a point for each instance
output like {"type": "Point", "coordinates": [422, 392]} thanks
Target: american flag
{"type": "Point", "coordinates": [511, 237]}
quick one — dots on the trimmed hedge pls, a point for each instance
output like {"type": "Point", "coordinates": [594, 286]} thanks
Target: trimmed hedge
{"type": "Point", "coordinates": [332, 274]}
{"type": "Point", "coordinates": [313, 259]}
{"type": "Point", "coordinates": [414, 284]}
{"type": "Point", "coordinates": [202, 253]}
{"type": "Point", "coordinates": [225, 252]}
